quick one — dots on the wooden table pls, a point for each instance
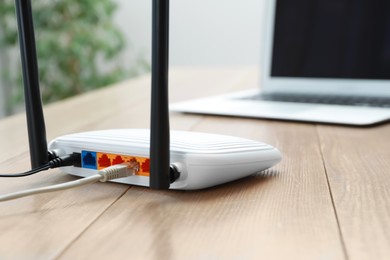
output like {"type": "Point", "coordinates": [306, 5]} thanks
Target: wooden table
{"type": "Point", "coordinates": [328, 199]}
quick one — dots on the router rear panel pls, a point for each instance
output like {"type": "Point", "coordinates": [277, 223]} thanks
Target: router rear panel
{"type": "Point", "coordinates": [204, 160]}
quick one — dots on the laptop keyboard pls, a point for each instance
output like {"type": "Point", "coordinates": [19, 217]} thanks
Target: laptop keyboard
{"type": "Point", "coordinates": [325, 99]}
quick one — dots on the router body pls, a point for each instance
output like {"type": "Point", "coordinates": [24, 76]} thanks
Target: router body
{"type": "Point", "coordinates": [203, 160]}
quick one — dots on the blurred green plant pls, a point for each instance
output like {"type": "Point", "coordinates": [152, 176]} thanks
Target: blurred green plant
{"type": "Point", "coordinates": [78, 47]}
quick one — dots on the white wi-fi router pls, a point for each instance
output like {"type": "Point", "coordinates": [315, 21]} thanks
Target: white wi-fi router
{"type": "Point", "coordinates": [203, 160]}
{"type": "Point", "coordinates": [189, 161]}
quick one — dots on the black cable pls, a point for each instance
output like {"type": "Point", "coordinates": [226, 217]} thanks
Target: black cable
{"type": "Point", "coordinates": [31, 172]}
{"type": "Point", "coordinates": [67, 160]}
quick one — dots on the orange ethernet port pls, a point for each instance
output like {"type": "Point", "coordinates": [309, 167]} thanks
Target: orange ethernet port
{"type": "Point", "coordinates": [103, 160]}
{"type": "Point", "coordinates": [117, 160]}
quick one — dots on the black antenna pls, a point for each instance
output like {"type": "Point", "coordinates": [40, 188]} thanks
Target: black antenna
{"type": "Point", "coordinates": [34, 112]}
{"type": "Point", "coordinates": [159, 128]}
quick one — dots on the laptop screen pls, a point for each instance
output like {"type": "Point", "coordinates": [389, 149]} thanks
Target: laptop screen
{"type": "Point", "coordinates": [332, 39]}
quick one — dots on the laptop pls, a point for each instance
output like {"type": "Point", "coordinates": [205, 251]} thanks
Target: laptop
{"type": "Point", "coordinates": [325, 61]}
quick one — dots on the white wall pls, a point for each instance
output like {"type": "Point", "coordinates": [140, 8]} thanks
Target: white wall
{"type": "Point", "coordinates": [203, 32]}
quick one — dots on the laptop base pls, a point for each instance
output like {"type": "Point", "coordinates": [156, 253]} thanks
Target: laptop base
{"type": "Point", "coordinates": [238, 104]}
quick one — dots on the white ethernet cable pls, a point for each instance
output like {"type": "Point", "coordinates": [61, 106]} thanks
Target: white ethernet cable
{"type": "Point", "coordinates": [107, 174]}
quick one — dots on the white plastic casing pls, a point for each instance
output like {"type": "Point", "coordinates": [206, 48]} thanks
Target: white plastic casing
{"type": "Point", "coordinates": [204, 160]}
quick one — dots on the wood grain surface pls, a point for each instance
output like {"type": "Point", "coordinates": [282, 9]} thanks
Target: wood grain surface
{"type": "Point", "coordinates": [328, 199]}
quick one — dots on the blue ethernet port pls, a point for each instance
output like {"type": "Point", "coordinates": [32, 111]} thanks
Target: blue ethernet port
{"type": "Point", "coordinates": [89, 160]}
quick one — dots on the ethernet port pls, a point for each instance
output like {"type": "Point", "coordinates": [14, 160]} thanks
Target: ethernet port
{"type": "Point", "coordinates": [117, 160]}
{"type": "Point", "coordinates": [104, 161]}
{"type": "Point", "coordinates": [88, 160]}
{"type": "Point", "coordinates": [146, 166]}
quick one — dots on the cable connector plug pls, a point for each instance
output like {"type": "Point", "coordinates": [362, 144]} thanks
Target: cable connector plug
{"type": "Point", "coordinates": [73, 159]}
{"type": "Point", "coordinates": [119, 171]}
{"type": "Point", "coordinates": [107, 174]}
